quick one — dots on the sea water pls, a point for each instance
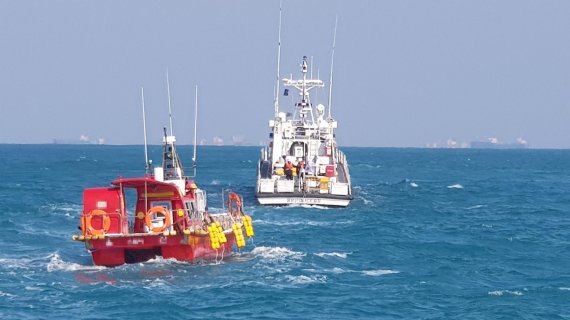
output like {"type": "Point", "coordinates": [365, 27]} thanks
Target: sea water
{"type": "Point", "coordinates": [430, 234]}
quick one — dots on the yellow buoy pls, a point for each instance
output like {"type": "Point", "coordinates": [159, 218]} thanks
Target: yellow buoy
{"type": "Point", "coordinates": [212, 231]}
{"type": "Point", "coordinates": [248, 226]}
{"type": "Point", "coordinates": [240, 241]}
{"type": "Point", "coordinates": [221, 233]}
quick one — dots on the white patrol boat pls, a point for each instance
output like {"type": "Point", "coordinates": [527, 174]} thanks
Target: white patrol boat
{"type": "Point", "coordinates": [302, 163]}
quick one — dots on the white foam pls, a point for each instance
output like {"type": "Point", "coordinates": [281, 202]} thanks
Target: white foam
{"type": "Point", "coordinates": [306, 279]}
{"type": "Point", "coordinates": [307, 206]}
{"type": "Point", "coordinates": [156, 283]}
{"type": "Point", "coordinates": [302, 223]}
{"type": "Point", "coordinates": [30, 288]}
{"type": "Point", "coordinates": [380, 272]}
{"type": "Point", "coordinates": [15, 263]}
{"type": "Point", "coordinates": [564, 289]}
{"type": "Point", "coordinates": [215, 182]}
{"type": "Point", "coordinates": [413, 184]}
{"type": "Point", "coordinates": [5, 294]}
{"type": "Point", "coordinates": [276, 253]}
{"type": "Point", "coordinates": [455, 186]}
{"type": "Point", "coordinates": [57, 264]}
{"type": "Point", "coordinates": [503, 292]}
{"type": "Point", "coordinates": [337, 270]}
{"type": "Point", "coordinates": [332, 254]}
{"type": "Point", "coordinates": [476, 206]}
{"type": "Point", "coordinates": [63, 207]}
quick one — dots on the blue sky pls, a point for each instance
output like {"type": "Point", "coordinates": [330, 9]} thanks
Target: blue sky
{"type": "Point", "coordinates": [407, 73]}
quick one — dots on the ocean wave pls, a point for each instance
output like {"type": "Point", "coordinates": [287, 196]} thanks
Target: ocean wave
{"type": "Point", "coordinates": [564, 289]}
{"type": "Point", "coordinates": [33, 288]}
{"type": "Point", "coordinates": [336, 270]}
{"type": "Point", "coordinates": [64, 207]}
{"type": "Point", "coordinates": [5, 294]}
{"type": "Point", "coordinates": [360, 189]}
{"type": "Point", "coordinates": [503, 292]}
{"type": "Point", "coordinates": [276, 253]}
{"type": "Point", "coordinates": [476, 207]}
{"type": "Point", "coordinates": [455, 186]}
{"type": "Point", "coordinates": [366, 201]}
{"type": "Point", "coordinates": [369, 166]}
{"type": "Point", "coordinates": [57, 264]}
{"type": "Point", "coordinates": [303, 223]}
{"type": "Point", "coordinates": [156, 283]}
{"type": "Point", "coordinates": [18, 263]}
{"type": "Point", "coordinates": [310, 206]}
{"type": "Point", "coordinates": [301, 279]}
{"type": "Point", "coordinates": [332, 254]}
{"type": "Point", "coordinates": [413, 184]}
{"type": "Point", "coordinates": [24, 263]}
{"type": "Point", "coordinates": [379, 272]}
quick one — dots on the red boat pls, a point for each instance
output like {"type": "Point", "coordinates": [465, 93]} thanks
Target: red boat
{"type": "Point", "coordinates": [170, 218]}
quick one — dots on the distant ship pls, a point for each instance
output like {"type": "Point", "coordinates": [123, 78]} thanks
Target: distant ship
{"type": "Point", "coordinates": [83, 139]}
{"type": "Point", "coordinates": [493, 143]}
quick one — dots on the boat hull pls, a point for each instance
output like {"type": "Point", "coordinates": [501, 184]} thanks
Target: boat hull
{"type": "Point", "coordinates": [115, 250]}
{"type": "Point", "coordinates": [291, 199]}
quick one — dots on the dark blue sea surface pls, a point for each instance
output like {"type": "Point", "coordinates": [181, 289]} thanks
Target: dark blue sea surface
{"type": "Point", "coordinates": [431, 234]}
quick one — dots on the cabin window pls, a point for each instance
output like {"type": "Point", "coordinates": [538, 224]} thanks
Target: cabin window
{"type": "Point", "coordinates": [165, 204]}
{"type": "Point", "coordinates": [200, 200]}
{"type": "Point", "coordinates": [192, 213]}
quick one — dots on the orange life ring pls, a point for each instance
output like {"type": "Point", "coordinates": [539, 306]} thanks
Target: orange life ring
{"type": "Point", "coordinates": [106, 222]}
{"type": "Point", "coordinates": [162, 211]}
{"type": "Point", "coordinates": [234, 198]}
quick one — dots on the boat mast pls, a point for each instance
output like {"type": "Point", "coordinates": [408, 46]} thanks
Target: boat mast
{"type": "Point", "coordinates": [175, 159]}
{"type": "Point", "coordinates": [305, 101]}
{"type": "Point", "coordinates": [170, 161]}
{"type": "Point", "coordinates": [195, 131]}
{"type": "Point", "coordinates": [332, 62]}
{"type": "Point", "coordinates": [146, 166]}
{"type": "Point", "coordinates": [278, 61]}
{"type": "Point", "coordinates": [169, 107]}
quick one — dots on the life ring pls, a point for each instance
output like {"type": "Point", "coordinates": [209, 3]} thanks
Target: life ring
{"type": "Point", "coordinates": [234, 198]}
{"type": "Point", "coordinates": [162, 211]}
{"type": "Point", "coordinates": [106, 223]}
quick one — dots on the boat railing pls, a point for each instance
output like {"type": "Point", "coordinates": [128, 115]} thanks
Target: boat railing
{"type": "Point", "coordinates": [341, 158]}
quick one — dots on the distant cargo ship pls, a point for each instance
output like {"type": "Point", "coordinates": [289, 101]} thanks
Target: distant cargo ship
{"type": "Point", "coordinates": [493, 143]}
